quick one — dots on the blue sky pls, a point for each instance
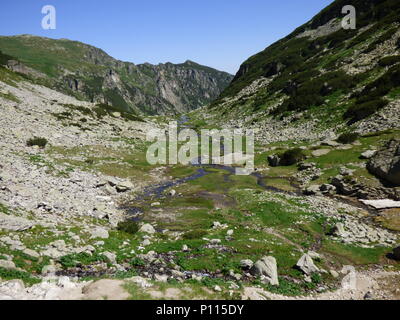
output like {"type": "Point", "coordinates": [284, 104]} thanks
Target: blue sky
{"type": "Point", "coordinates": [218, 33]}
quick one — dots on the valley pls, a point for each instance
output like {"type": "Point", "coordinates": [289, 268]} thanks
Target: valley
{"type": "Point", "coordinates": [85, 216]}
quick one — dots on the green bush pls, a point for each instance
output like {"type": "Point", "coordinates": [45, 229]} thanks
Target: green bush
{"type": "Point", "coordinates": [389, 61]}
{"type": "Point", "coordinates": [27, 278]}
{"type": "Point", "coordinates": [4, 58]}
{"type": "Point", "coordinates": [292, 156]}
{"type": "Point", "coordinates": [40, 142]}
{"type": "Point", "coordinates": [194, 234]}
{"type": "Point", "coordinates": [348, 137]}
{"type": "Point", "coordinates": [76, 259]}
{"type": "Point", "coordinates": [128, 226]}
{"type": "Point", "coordinates": [361, 111]}
{"type": "Point", "coordinates": [137, 262]}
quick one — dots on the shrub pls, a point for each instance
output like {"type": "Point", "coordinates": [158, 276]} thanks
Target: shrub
{"type": "Point", "coordinates": [292, 156]}
{"type": "Point", "coordinates": [75, 259]}
{"type": "Point", "coordinates": [137, 262]}
{"type": "Point", "coordinates": [348, 137]}
{"type": "Point", "coordinates": [128, 226]}
{"type": "Point", "coordinates": [363, 110]}
{"type": "Point", "coordinates": [389, 61]}
{"type": "Point", "coordinates": [27, 278]}
{"type": "Point", "coordinates": [194, 234]}
{"type": "Point", "coordinates": [40, 142]}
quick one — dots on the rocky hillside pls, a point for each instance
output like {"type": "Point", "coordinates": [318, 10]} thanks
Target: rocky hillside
{"type": "Point", "coordinates": [88, 73]}
{"type": "Point", "coordinates": [325, 75]}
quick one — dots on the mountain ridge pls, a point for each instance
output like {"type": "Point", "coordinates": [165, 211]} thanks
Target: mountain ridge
{"type": "Point", "coordinates": [89, 73]}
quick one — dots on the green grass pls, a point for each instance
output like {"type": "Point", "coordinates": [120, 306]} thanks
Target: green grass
{"type": "Point", "coordinates": [27, 278]}
{"type": "Point", "coordinates": [355, 255]}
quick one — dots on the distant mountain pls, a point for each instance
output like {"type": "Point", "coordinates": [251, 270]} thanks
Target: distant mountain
{"type": "Point", "coordinates": [90, 74]}
{"type": "Point", "coordinates": [322, 72]}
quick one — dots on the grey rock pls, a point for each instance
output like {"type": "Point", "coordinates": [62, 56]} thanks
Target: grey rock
{"type": "Point", "coordinates": [14, 223]}
{"type": "Point", "coordinates": [125, 186]}
{"type": "Point", "coordinates": [266, 267]}
{"type": "Point", "coordinates": [147, 228]}
{"type": "Point", "coordinates": [368, 154]}
{"type": "Point", "coordinates": [386, 163]}
{"type": "Point", "coordinates": [312, 190]}
{"type": "Point", "coordinates": [246, 264]}
{"type": "Point", "coordinates": [306, 264]}
{"type": "Point", "coordinates": [306, 166]}
{"type": "Point", "coordinates": [99, 233]}
{"type": "Point", "coordinates": [330, 143]}
{"type": "Point", "coordinates": [49, 269]}
{"type": "Point", "coordinates": [31, 253]}
{"type": "Point", "coordinates": [328, 188]}
{"type": "Point", "coordinates": [382, 204]}
{"type": "Point", "coordinates": [7, 264]}
{"type": "Point", "coordinates": [110, 256]}
{"type": "Point", "coordinates": [346, 172]}
{"type": "Point", "coordinates": [334, 274]}
{"type": "Point", "coordinates": [161, 278]}
{"type": "Point", "coordinates": [320, 152]}
{"type": "Point", "coordinates": [146, 242]}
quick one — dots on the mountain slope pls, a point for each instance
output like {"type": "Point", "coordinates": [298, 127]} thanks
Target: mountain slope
{"type": "Point", "coordinates": [90, 74]}
{"type": "Point", "coordinates": [322, 71]}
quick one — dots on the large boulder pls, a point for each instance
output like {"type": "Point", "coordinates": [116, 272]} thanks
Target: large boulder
{"type": "Point", "coordinates": [267, 268]}
{"type": "Point", "coordinates": [306, 264]}
{"type": "Point", "coordinates": [386, 163]}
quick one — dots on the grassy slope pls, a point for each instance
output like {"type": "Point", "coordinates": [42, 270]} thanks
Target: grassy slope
{"type": "Point", "coordinates": [301, 60]}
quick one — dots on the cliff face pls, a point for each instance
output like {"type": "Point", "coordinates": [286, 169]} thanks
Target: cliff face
{"type": "Point", "coordinates": [90, 74]}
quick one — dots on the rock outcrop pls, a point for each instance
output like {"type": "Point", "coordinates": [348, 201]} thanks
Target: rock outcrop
{"type": "Point", "coordinates": [386, 163]}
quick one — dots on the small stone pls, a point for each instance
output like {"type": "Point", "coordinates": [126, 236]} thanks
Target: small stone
{"type": "Point", "coordinates": [217, 289]}
{"type": "Point", "coordinates": [147, 228]}
{"type": "Point", "coordinates": [146, 243]}
{"type": "Point", "coordinates": [31, 253]}
{"type": "Point", "coordinates": [99, 233]}
{"type": "Point", "coordinates": [320, 152]}
{"type": "Point", "coordinates": [7, 264]}
{"type": "Point", "coordinates": [49, 269]}
{"type": "Point", "coordinates": [229, 232]}
{"type": "Point", "coordinates": [161, 278]}
{"type": "Point", "coordinates": [215, 241]}
{"type": "Point", "coordinates": [334, 274]}
{"type": "Point", "coordinates": [110, 256]}
{"type": "Point", "coordinates": [246, 264]}
{"type": "Point", "coordinates": [368, 154]}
